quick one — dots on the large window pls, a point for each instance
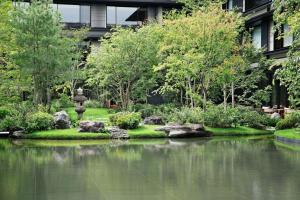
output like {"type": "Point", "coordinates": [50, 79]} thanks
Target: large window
{"type": "Point", "coordinates": [73, 13]}
{"type": "Point", "coordinates": [124, 16]}
{"type": "Point", "coordinates": [69, 13]}
{"type": "Point", "coordinates": [288, 39]}
{"type": "Point", "coordinates": [256, 37]}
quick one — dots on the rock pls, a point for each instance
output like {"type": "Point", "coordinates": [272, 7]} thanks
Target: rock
{"type": "Point", "coordinates": [117, 133]}
{"type": "Point", "coordinates": [186, 130]}
{"type": "Point", "coordinates": [90, 126]}
{"type": "Point", "coordinates": [153, 120]}
{"type": "Point", "coordinates": [275, 115]}
{"type": "Point", "coordinates": [62, 120]}
{"type": "Point", "coordinates": [17, 134]}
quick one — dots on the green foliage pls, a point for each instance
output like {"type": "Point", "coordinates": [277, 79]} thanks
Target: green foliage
{"type": "Point", "coordinates": [39, 121]}
{"type": "Point", "coordinates": [122, 66]}
{"type": "Point", "coordinates": [126, 120]}
{"type": "Point", "coordinates": [92, 104]}
{"type": "Point", "coordinates": [217, 117]}
{"type": "Point", "coordinates": [10, 123]}
{"type": "Point", "coordinates": [186, 115]}
{"type": "Point", "coordinates": [4, 111]}
{"type": "Point", "coordinates": [290, 121]}
{"type": "Point", "coordinates": [288, 13]}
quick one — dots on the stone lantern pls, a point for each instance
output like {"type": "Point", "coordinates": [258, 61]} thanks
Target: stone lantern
{"type": "Point", "coordinates": [79, 103]}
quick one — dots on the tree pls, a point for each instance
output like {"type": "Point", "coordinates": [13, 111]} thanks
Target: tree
{"type": "Point", "coordinates": [44, 52]}
{"type": "Point", "coordinates": [244, 71]}
{"type": "Point", "coordinates": [11, 83]}
{"type": "Point", "coordinates": [78, 55]}
{"type": "Point", "coordinates": [193, 45]}
{"type": "Point", "coordinates": [288, 12]}
{"type": "Point", "coordinates": [122, 65]}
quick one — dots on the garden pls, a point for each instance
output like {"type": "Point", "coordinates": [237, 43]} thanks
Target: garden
{"type": "Point", "coordinates": [149, 82]}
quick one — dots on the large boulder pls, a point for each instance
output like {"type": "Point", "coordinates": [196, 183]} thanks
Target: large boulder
{"type": "Point", "coordinates": [154, 120]}
{"type": "Point", "coordinates": [184, 131]}
{"type": "Point", "coordinates": [91, 126]}
{"type": "Point", "coordinates": [62, 120]}
{"type": "Point", "coordinates": [117, 133]}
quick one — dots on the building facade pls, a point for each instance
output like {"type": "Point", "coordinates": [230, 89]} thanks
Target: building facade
{"type": "Point", "coordinates": [101, 15]}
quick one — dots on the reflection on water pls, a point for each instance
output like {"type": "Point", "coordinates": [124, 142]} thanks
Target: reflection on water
{"type": "Point", "coordinates": [222, 168]}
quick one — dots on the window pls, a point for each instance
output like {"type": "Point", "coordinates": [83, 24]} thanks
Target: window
{"type": "Point", "coordinates": [85, 14]}
{"type": "Point", "coordinates": [69, 13]}
{"type": "Point", "coordinates": [125, 16]}
{"type": "Point", "coordinates": [230, 4]}
{"type": "Point", "coordinates": [256, 37]}
{"type": "Point", "coordinates": [73, 13]}
{"type": "Point", "coordinates": [288, 39]}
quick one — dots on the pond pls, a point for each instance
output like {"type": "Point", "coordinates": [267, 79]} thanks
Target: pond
{"type": "Point", "coordinates": [255, 168]}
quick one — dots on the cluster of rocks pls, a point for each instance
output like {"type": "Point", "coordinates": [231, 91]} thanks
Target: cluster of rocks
{"type": "Point", "coordinates": [98, 127]}
{"type": "Point", "coordinates": [184, 131]}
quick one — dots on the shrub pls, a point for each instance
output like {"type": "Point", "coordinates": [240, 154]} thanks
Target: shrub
{"type": "Point", "coordinates": [92, 104]}
{"type": "Point", "coordinates": [146, 110]}
{"type": "Point", "coordinates": [39, 121]}
{"type": "Point", "coordinates": [4, 112]}
{"type": "Point", "coordinates": [217, 117]}
{"type": "Point", "coordinates": [253, 119]}
{"type": "Point", "coordinates": [126, 120]}
{"type": "Point", "coordinates": [186, 115]}
{"type": "Point", "coordinates": [10, 123]}
{"type": "Point", "coordinates": [290, 121]}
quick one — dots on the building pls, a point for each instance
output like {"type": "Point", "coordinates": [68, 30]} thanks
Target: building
{"type": "Point", "coordinates": [101, 15]}
{"type": "Point", "coordinates": [260, 23]}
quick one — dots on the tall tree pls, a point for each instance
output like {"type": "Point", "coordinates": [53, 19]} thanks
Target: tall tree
{"type": "Point", "coordinates": [193, 46]}
{"type": "Point", "coordinates": [122, 65]}
{"type": "Point", "coordinates": [44, 52]}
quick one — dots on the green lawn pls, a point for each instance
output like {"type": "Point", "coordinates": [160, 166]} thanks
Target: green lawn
{"type": "Point", "coordinates": [289, 133]}
{"type": "Point", "coordinates": [237, 131]}
{"type": "Point", "coordinates": [147, 131]}
{"type": "Point", "coordinates": [99, 114]}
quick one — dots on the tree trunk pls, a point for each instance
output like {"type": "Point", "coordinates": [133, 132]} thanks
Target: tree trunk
{"type": "Point", "coordinates": [232, 95]}
{"type": "Point", "coordinates": [204, 99]}
{"type": "Point", "coordinates": [224, 97]}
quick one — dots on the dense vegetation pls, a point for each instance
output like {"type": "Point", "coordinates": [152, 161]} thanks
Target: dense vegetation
{"type": "Point", "coordinates": [197, 66]}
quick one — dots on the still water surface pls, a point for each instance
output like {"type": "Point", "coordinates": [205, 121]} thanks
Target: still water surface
{"type": "Point", "coordinates": [202, 169]}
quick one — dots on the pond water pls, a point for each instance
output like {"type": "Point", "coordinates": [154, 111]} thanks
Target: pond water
{"type": "Point", "coordinates": [208, 169]}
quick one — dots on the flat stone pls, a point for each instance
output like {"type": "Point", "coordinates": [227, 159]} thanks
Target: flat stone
{"type": "Point", "coordinates": [91, 126]}
{"type": "Point", "coordinates": [117, 133]}
{"type": "Point", "coordinates": [184, 131]}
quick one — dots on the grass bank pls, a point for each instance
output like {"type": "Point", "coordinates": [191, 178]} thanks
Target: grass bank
{"type": "Point", "coordinates": [289, 133]}
{"type": "Point", "coordinates": [237, 131]}
{"type": "Point", "coordinates": [145, 131]}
